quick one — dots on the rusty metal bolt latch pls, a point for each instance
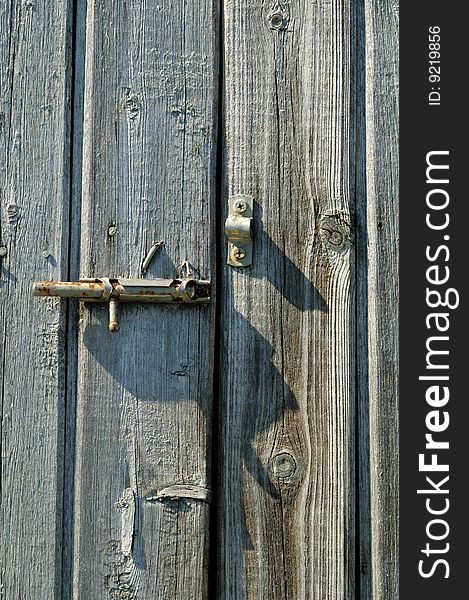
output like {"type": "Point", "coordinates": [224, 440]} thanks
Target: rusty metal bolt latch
{"type": "Point", "coordinates": [113, 291]}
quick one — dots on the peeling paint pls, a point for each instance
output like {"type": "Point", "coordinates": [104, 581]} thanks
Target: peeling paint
{"type": "Point", "coordinates": [119, 578]}
{"type": "Point", "coordinates": [127, 505]}
{"type": "Point", "coordinates": [132, 104]}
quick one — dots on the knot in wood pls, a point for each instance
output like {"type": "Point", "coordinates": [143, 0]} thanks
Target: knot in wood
{"type": "Point", "coordinates": [13, 212]}
{"type": "Point", "coordinates": [279, 16]}
{"type": "Point", "coordinates": [277, 21]}
{"type": "Point", "coordinates": [334, 233]}
{"type": "Point", "coordinates": [284, 465]}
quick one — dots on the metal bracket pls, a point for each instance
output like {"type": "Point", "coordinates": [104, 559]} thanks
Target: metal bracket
{"type": "Point", "coordinates": [104, 289]}
{"type": "Point", "coordinates": [238, 229]}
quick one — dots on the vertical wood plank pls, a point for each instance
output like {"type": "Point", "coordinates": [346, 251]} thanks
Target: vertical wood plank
{"type": "Point", "coordinates": [144, 394]}
{"type": "Point", "coordinates": [287, 406]}
{"type": "Point", "coordinates": [378, 308]}
{"type": "Point", "coordinates": [34, 198]}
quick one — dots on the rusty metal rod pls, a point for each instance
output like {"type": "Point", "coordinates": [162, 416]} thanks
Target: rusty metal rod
{"type": "Point", "coordinates": [128, 290]}
{"type": "Point", "coordinates": [113, 320]}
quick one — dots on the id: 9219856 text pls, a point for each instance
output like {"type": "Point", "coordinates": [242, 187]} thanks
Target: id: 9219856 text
{"type": "Point", "coordinates": [434, 65]}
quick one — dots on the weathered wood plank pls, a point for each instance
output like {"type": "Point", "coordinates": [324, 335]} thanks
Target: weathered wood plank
{"type": "Point", "coordinates": [144, 394]}
{"type": "Point", "coordinates": [34, 197]}
{"type": "Point", "coordinates": [287, 404]}
{"type": "Point", "coordinates": [378, 308]}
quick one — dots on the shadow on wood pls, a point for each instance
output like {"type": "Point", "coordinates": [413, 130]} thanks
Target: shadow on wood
{"type": "Point", "coordinates": [149, 378]}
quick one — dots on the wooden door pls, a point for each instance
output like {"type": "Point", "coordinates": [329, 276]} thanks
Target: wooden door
{"type": "Point", "coordinates": [246, 449]}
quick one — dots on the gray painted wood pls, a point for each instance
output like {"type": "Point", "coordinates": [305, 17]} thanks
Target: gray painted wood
{"type": "Point", "coordinates": [378, 308]}
{"type": "Point", "coordinates": [314, 141]}
{"type": "Point", "coordinates": [287, 401]}
{"type": "Point", "coordinates": [144, 394]}
{"type": "Point", "coordinates": [34, 197]}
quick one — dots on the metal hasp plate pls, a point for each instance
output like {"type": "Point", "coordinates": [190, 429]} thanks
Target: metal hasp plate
{"type": "Point", "coordinates": [238, 229]}
{"type": "Point", "coordinates": [103, 289]}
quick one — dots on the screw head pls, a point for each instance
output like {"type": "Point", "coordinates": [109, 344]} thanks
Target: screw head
{"type": "Point", "coordinates": [240, 206]}
{"type": "Point", "coordinates": [3, 251]}
{"type": "Point", "coordinates": [238, 253]}
{"type": "Point", "coordinates": [112, 231]}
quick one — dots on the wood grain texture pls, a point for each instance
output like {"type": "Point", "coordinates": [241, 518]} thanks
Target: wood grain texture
{"type": "Point", "coordinates": [34, 198]}
{"type": "Point", "coordinates": [144, 394]}
{"type": "Point", "coordinates": [378, 298]}
{"type": "Point", "coordinates": [287, 377]}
